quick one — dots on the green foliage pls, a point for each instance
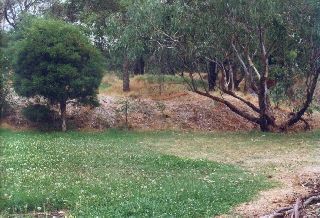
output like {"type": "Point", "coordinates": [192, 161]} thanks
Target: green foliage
{"type": "Point", "coordinates": [38, 113]}
{"type": "Point", "coordinates": [93, 15]}
{"type": "Point", "coordinates": [104, 86]}
{"type": "Point", "coordinates": [54, 60]}
{"type": "Point", "coordinates": [115, 174]}
{"type": "Point", "coordinates": [186, 34]}
{"type": "Point", "coordinates": [126, 107]}
{"type": "Point", "coordinates": [280, 92]}
{"type": "Point", "coordinates": [4, 75]}
{"type": "Point", "coordinates": [2, 78]}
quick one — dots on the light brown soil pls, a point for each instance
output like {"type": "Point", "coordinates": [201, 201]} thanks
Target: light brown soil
{"type": "Point", "coordinates": [175, 109]}
{"type": "Point", "coordinates": [296, 184]}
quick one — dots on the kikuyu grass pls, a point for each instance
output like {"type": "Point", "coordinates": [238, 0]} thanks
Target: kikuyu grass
{"type": "Point", "coordinates": [114, 174]}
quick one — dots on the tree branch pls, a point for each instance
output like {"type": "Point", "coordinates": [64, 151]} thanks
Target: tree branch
{"type": "Point", "coordinates": [310, 92]}
{"type": "Point", "coordinates": [245, 68]}
{"type": "Point", "coordinates": [248, 103]}
{"type": "Point", "coordinates": [233, 108]}
{"type": "Point", "coordinates": [253, 67]}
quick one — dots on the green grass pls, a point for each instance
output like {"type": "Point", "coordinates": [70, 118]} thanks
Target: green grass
{"type": "Point", "coordinates": [104, 87]}
{"type": "Point", "coordinates": [115, 174]}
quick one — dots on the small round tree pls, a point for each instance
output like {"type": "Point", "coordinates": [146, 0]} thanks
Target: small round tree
{"type": "Point", "coordinates": [56, 61]}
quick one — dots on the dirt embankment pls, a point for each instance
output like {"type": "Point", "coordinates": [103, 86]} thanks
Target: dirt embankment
{"type": "Point", "coordinates": [175, 111]}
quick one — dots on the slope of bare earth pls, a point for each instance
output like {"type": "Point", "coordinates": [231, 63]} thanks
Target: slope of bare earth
{"type": "Point", "coordinates": [179, 111]}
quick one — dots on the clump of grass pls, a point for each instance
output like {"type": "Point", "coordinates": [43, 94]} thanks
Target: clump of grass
{"type": "Point", "coordinates": [114, 174]}
{"type": "Point", "coordinates": [151, 85]}
{"type": "Point", "coordinates": [153, 78]}
{"type": "Point", "coordinates": [107, 81]}
{"type": "Point", "coordinates": [170, 79]}
{"type": "Point", "coordinates": [104, 87]}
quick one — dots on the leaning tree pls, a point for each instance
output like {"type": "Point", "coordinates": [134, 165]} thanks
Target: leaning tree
{"type": "Point", "coordinates": [264, 37]}
{"type": "Point", "coordinates": [56, 61]}
{"type": "Point", "coordinates": [259, 38]}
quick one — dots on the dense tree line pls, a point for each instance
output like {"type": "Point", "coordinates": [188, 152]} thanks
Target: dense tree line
{"type": "Point", "coordinates": [270, 47]}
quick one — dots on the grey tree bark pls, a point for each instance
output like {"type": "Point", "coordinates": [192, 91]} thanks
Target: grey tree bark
{"type": "Point", "coordinates": [63, 112]}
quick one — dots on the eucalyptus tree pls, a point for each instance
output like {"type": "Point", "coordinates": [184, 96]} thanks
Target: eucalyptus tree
{"type": "Point", "coordinates": [255, 31]}
{"type": "Point", "coordinates": [105, 22]}
{"type": "Point", "coordinates": [14, 9]}
{"type": "Point", "coordinates": [4, 80]}
{"type": "Point", "coordinates": [93, 15]}
{"type": "Point", "coordinates": [263, 37]}
{"type": "Point", "coordinates": [133, 35]}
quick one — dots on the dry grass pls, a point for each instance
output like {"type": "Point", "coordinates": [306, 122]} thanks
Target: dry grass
{"type": "Point", "coordinates": [141, 88]}
{"type": "Point", "coordinates": [255, 151]}
{"type": "Point", "coordinates": [5, 125]}
{"type": "Point", "coordinates": [291, 160]}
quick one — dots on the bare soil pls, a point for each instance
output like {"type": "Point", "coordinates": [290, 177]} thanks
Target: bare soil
{"type": "Point", "coordinates": [177, 111]}
{"type": "Point", "coordinates": [297, 184]}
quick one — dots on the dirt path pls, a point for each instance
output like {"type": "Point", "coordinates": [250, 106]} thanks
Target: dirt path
{"type": "Point", "coordinates": [298, 175]}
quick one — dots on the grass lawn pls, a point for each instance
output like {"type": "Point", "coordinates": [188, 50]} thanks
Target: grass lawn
{"type": "Point", "coordinates": [117, 174]}
{"type": "Point", "coordinates": [266, 153]}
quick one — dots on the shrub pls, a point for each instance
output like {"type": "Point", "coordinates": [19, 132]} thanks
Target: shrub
{"type": "Point", "coordinates": [38, 113]}
{"type": "Point", "coordinates": [4, 77]}
{"type": "Point", "coordinates": [55, 60]}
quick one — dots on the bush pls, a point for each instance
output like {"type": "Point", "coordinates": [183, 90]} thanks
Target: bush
{"type": "Point", "coordinates": [57, 61]}
{"type": "Point", "coordinates": [4, 77]}
{"type": "Point", "coordinates": [38, 113]}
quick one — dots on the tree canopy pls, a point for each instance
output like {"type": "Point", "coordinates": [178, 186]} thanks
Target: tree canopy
{"type": "Point", "coordinates": [272, 47]}
{"type": "Point", "coordinates": [266, 40]}
{"type": "Point", "coordinates": [56, 61]}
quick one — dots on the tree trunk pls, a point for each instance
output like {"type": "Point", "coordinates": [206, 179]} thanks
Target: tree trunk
{"type": "Point", "coordinates": [248, 83]}
{"type": "Point", "coordinates": [238, 79]}
{"type": "Point", "coordinates": [126, 75]}
{"type": "Point", "coordinates": [248, 75]}
{"type": "Point", "coordinates": [63, 111]}
{"type": "Point", "coordinates": [264, 125]}
{"type": "Point", "coordinates": [310, 93]}
{"type": "Point", "coordinates": [163, 67]}
{"type": "Point", "coordinates": [212, 75]}
{"type": "Point", "coordinates": [142, 65]}
{"type": "Point", "coordinates": [139, 66]}
{"type": "Point", "coordinates": [266, 117]}
{"type": "Point", "coordinates": [223, 79]}
{"type": "Point", "coordinates": [231, 78]}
